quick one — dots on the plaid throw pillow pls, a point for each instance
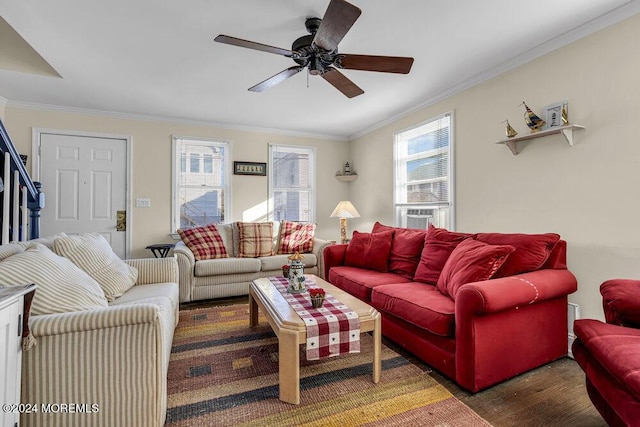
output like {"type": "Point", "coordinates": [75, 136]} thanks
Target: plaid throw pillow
{"type": "Point", "coordinates": [256, 239]}
{"type": "Point", "coordinates": [205, 242]}
{"type": "Point", "coordinates": [296, 237]}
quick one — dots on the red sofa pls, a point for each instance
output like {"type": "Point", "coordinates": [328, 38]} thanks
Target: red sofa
{"type": "Point", "coordinates": [479, 308]}
{"type": "Point", "coordinates": [609, 353]}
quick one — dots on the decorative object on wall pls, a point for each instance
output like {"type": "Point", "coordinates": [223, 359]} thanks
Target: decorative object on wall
{"type": "Point", "coordinates": [566, 131]}
{"type": "Point", "coordinates": [347, 169]}
{"type": "Point", "coordinates": [509, 131]}
{"type": "Point", "coordinates": [534, 122]}
{"type": "Point", "coordinates": [557, 114]}
{"type": "Point", "coordinates": [249, 168]}
{"type": "Point", "coordinates": [344, 210]}
{"type": "Point", "coordinates": [347, 174]}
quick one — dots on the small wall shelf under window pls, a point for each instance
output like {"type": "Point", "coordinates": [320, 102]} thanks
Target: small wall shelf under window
{"type": "Point", "coordinates": [347, 178]}
{"type": "Point", "coordinates": [566, 131]}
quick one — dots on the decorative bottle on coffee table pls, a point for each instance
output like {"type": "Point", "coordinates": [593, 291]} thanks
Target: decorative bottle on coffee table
{"type": "Point", "coordinates": [296, 273]}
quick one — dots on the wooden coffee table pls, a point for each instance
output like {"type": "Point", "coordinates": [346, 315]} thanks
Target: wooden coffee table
{"type": "Point", "coordinates": [292, 332]}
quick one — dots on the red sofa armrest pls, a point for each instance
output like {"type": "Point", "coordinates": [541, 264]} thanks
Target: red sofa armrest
{"type": "Point", "coordinates": [509, 325]}
{"type": "Point", "coordinates": [621, 302]}
{"type": "Point", "coordinates": [505, 293]}
{"type": "Point", "coordinates": [333, 256]}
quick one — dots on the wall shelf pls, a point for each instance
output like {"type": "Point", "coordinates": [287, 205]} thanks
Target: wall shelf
{"type": "Point", "coordinates": [566, 131]}
{"type": "Point", "coordinates": [347, 178]}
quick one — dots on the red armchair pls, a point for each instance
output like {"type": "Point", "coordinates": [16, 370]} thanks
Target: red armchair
{"type": "Point", "coordinates": [609, 353]}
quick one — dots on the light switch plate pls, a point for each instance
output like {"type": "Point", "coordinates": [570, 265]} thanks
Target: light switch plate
{"type": "Point", "coordinates": [143, 203]}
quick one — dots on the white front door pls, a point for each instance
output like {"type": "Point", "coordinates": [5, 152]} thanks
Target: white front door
{"type": "Point", "coordinates": [84, 179]}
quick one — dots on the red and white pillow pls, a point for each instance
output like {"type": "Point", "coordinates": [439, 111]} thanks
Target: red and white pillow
{"type": "Point", "coordinates": [296, 237]}
{"type": "Point", "coordinates": [205, 242]}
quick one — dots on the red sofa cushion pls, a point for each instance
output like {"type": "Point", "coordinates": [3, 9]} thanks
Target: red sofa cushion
{"type": "Point", "coordinates": [615, 348]}
{"type": "Point", "coordinates": [368, 250]}
{"type": "Point", "coordinates": [471, 261]}
{"type": "Point", "coordinates": [531, 250]}
{"type": "Point", "coordinates": [419, 304]}
{"type": "Point", "coordinates": [406, 248]}
{"type": "Point", "coordinates": [359, 281]}
{"type": "Point", "coordinates": [621, 302]}
{"type": "Point", "coordinates": [438, 245]}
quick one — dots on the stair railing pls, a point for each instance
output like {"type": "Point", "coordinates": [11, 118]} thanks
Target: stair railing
{"type": "Point", "coordinates": [19, 194]}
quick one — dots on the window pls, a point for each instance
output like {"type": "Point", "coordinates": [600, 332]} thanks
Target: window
{"type": "Point", "coordinates": [423, 174]}
{"type": "Point", "coordinates": [201, 182]}
{"type": "Point", "coordinates": [291, 183]}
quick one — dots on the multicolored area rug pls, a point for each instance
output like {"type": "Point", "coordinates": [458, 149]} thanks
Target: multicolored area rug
{"type": "Point", "coordinates": [223, 373]}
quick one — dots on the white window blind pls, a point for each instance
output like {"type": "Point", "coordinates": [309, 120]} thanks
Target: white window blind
{"type": "Point", "coordinates": [291, 183]}
{"type": "Point", "coordinates": [423, 174]}
{"type": "Point", "coordinates": [201, 189]}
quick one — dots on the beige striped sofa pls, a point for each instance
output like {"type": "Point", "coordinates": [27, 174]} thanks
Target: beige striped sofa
{"type": "Point", "coordinates": [106, 366]}
{"type": "Point", "coordinates": [227, 277]}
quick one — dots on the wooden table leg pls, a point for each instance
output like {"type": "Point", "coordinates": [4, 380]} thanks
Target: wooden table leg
{"type": "Point", "coordinates": [253, 310]}
{"type": "Point", "coordinates": [377, 349]}
{"type": "Point", "coordinates": [289, 366]}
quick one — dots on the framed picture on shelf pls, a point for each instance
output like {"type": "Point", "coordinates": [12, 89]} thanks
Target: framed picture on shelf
{"type": "Point", "coordinates": [553, 114]}
{"type": "Point", "coordinates": [249, 168]}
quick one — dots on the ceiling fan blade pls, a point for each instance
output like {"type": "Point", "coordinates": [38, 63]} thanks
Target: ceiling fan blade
{"type": "Point", "coordinates": [252, 45]}
{"type": "Point", "coordinates": [278, 78]}
{"type": "Point", "coordinates": [337, 21]}
{"type": "Point", "coordinates": [342, 83]}
{"type": "Point", "coordinates": [383, 64]}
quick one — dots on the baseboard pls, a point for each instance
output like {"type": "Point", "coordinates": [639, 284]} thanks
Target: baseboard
{"type": "Point", "coordinates": [573, 314]}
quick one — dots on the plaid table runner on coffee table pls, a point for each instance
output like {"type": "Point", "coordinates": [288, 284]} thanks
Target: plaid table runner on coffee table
{"type": "Point", "coordinates": [332, 329]}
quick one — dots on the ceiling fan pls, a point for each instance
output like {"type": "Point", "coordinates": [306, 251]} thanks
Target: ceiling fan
{"type": "Point", "coordinates": [318, 52]}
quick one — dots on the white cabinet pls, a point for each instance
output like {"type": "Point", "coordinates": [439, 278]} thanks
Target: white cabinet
{"type": "Point", "coordinates": [11, 316]}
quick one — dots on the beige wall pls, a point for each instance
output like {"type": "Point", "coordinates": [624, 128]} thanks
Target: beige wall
{"type": "Point", "coordinates": [151, 166]}
{"type": "Point", "coordinates": [588, 193]}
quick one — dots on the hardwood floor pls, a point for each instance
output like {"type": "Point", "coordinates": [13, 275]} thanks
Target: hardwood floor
{"type": "Point", "coordinates": [552, 395]}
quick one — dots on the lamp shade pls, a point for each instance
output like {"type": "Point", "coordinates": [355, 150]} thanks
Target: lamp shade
{"type": "Point", "coordinates": [345, 210]}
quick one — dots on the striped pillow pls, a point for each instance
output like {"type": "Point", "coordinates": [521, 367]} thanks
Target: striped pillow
{"type": "Point", "coordinates": [255, 239]}
{"type": "Point", "coordinates": [10, 249]}
{"type": "Point", "coordinates": [47, 241]}
{"type": "Point", "coordinates": [205, 242]}
{"type": "Point", "coordinates": [62, 287]}
{"type": "Point", "coordinates": [93, 254]}
{"type": "Point", "coordinates": [296, 237]}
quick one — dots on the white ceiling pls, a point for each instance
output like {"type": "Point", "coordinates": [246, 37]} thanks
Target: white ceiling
{"type": "Point", "coordinates": [158, 58]}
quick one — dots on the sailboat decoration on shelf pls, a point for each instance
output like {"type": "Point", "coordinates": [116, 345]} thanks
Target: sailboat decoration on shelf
{"type": "Point", "coordinates": [509, 131]}
{"type": "Point", "coordinates": [534, 122]}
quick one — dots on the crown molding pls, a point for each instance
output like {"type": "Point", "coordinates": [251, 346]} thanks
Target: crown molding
{"type": "Point", "coordinates": [171, 120]}
{"type": "Point", "coordinates": [629, 9]}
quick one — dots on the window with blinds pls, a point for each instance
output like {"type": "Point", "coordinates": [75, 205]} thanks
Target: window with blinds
{"type": "Point", "coordinates": [423, 174]}
{"type": "Point", "coordinates": [291, 183]}
{"type": "Point", "coordinates": [200, 182]}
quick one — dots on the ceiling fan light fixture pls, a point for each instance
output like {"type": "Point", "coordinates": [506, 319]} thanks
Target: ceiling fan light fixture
{"type": "Point", "coordinates": [315, 66]}
{"type": "Point", "coordinates": [318, 52]}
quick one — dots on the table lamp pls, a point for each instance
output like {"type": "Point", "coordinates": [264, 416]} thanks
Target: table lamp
{"type": "Point", "coordinates": [343, 211]}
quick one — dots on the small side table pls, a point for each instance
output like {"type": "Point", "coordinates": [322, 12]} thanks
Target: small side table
{"type": "Point", "coordinates": [160, 250]}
